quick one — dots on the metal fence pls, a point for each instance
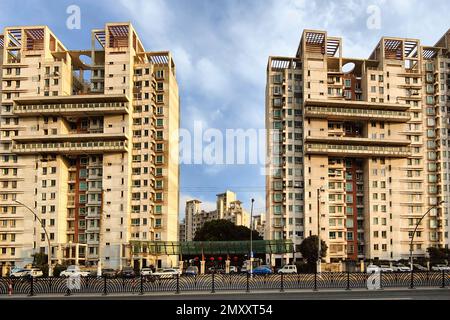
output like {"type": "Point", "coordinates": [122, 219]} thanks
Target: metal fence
{"type": "Point", "coordinates": [221, 282]}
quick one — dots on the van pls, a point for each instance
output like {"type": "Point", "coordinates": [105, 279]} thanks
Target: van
{"type": "Point", "coordinates": [288, 269]}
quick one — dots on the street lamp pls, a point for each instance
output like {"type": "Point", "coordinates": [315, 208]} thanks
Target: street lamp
{"type": "Point", "coordinates": [49, 255]}
{"type": "Point", "coordinates": [319, 258]}
{"type": "Point", "coordinates": [411, 248]}
{"type": "Point", "coordinates": [251, 238]}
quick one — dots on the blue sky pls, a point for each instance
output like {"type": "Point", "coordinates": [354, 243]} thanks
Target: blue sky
{"type": "Point", "coordinates": [221, 48]}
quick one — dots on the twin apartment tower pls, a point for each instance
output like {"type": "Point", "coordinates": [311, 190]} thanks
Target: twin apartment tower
{"type": "Point", "coordinates": [85, 140]}
{"type": "Point", "coordinates": [357, 149]}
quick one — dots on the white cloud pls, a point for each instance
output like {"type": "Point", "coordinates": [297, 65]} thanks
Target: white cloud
{"type": "Point", "coordinates": [155, 15]}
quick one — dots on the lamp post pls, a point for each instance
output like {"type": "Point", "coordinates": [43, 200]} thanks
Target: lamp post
{"type": "Point", "coordinates": [411, 248]}
{"type": "Point", "coordinates": [319, 246]}
{"type": "Point", "coordinates": [251, 238]}
{"type": "Point", "coordinates": [49, 255]}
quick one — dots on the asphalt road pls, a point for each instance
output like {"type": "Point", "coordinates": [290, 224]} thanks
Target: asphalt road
{"type": "Point", "coordinates": [387, 294]}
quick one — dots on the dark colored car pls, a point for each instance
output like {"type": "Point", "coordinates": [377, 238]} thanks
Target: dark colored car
{"type": "Point", "coordinates": [216, 270]}
{"type": "Point", "coordinates": [191, 271]}
{"type": "Point", "coordinates": [109, 273]}
{"type": "Point", "coordinates": [127, 272]}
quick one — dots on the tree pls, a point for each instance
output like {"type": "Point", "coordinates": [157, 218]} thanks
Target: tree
{"type": "Point", "coordinates": [224, 230]}
{"type": "Point", "coordinates": [309, 249]}
{"type": "Point", "coordinates": [438, 254]}
{"type": "Point", "coordinates": [40, 261]}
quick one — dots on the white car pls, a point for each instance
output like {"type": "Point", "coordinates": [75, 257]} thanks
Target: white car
{"type": "Point", "coordinates": [371, 268]}
{"type": "Point", "coordinates": [233, 269]}
{"type": "Point", "coordinates": [288, 269]}
{"type": "Point", "coordinates": [386, 268]}
{"type": "Point", "coordinates": [74, 271]}
{"type": "Point", "coordinates": [168, 273]}
{"type": "Point", "coordinates": [401, 268]}
{"type": "Point", "coordinates": [36, 273]}
{"type": "Point", "coordinates": [146, 272]}
{"type": "Point", "coordinates": [440, 267]}
{"type": "Point", "coordinates": [22, 273]}
{"type": "Point", "coordinates": [19, 273]}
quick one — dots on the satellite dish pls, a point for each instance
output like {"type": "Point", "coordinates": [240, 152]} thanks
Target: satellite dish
{"type": "Point", "coordinates": [348, 67]}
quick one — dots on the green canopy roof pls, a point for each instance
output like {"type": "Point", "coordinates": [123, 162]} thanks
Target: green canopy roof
{"type": "Point", "coordinates": [212, 247]}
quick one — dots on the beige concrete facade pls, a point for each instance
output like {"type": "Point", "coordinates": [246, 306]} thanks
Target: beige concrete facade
{"type": "Point", "coordinates": [259, 224]}
{"type": "Point", "coordinates": [227, 208]}
{"type": "Point", "coordinates": [362, 141]}
{"type": "Point", "coordinates": [87, 142]}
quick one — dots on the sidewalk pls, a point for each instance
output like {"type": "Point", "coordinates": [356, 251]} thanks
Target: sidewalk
{"type": "Point", "coordinates": [221, 293]}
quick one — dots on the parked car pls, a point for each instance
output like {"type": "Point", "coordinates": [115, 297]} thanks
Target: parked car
{"type": "Point", "coordinates": [233, 269]}
{"type": "Point", "coordinates": [109, 273]}
{"type": "Point", "coordinates": [244, 269]}
{"type": "Point", "coordinates": [371, 268]}
{"type": "Point", "coordinates": [146, 272]}
{"type": "Point", "coordinates": [216, 270]}
{"type": "Point", "coordinates": [19, 273]}
{"type": "Point", "coordinates": [74, 271]}
{"type": "Point", "coordinates": [168, 273]}
{"type": "Point", "coordinates": [440, 267]}
{"type": "Point", "coordinates": [386, 268]}
{"type": "Point", "coordinates": [261, 270]}
{"type": "Point", "coordinates": [127, 272]}
{"type": "Point", "coordinates": [191, 271]}
{"type": "Point", "coordinates": [288, 269]}
{"type": "Point", "coordinates": [401, 268]}
{"type": "Point", "coordinates": [36, 273]}
{"type": "Point", "coordinates": [419, 267]}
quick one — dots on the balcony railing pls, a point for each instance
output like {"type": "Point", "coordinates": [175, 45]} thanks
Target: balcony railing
{"type": "Point", "coordinates": [359, 150]}
{"type": "Point", "coordinates": [71, 147]}
{"type": "Point", "coordinates": [70, 108]}
{"type": "Point", "coordinates": [358, 113]}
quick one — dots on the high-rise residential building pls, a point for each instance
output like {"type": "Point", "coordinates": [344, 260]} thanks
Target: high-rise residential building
{"type": "Point", "coordinates": [359, 148]}
{"type": "Point", "coordinates": [193, 207]}
{"type": "Point", "coordinates": [227, 208]}
{"type": "Point", "coordinates": [87, 144]}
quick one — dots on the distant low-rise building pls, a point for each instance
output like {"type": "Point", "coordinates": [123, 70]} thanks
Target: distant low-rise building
{"type": "Point", "coordinates": [227, 208]}
{"type": "Point", "coordinates": [259, 224]}
{"type": "Point", "coordinates": [182, 236]}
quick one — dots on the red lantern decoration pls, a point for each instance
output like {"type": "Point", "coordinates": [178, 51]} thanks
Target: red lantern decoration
{"type": "Point", "coordinates": [235, 258]}
{"type": "Point", "coordinates": [212, 258]}
{"type": "Point", "coordinates": [220, 258]}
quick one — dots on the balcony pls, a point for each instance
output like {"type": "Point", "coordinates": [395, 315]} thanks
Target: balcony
{"type": "Point", "coordinates": [357, 141]}
{"type": "Point", "coordinates": [336, 113]}
{"type": "Point", "coordinates": [90, 147]}
{"type": "Point", "coordinates": [357, 150]}
{"type": "Point", "coordinates": [363, 105]}
{"type": "Point", "coordinates": [72, 137]}
{"type": "Point", "coordinates": [72, 105]}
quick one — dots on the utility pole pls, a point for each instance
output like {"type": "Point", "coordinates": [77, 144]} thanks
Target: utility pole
{"type": "Point", "coordinates": [49, 255]}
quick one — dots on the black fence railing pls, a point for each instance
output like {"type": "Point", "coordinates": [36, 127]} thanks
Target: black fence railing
{"type": "Point", "coordinates": [219, 282]}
